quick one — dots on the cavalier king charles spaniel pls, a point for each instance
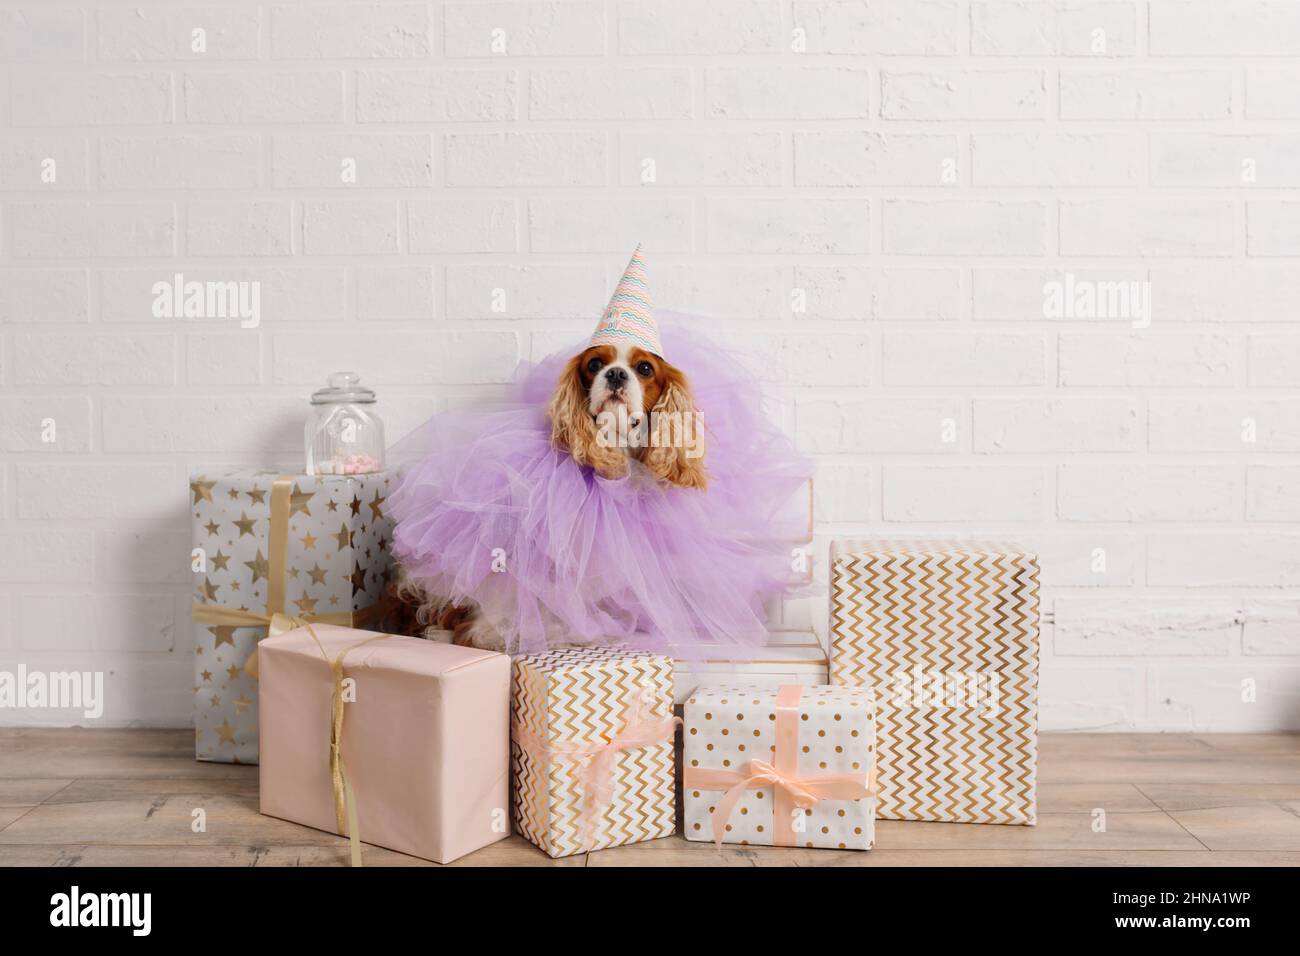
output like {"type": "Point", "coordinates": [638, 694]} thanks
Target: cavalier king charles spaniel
{"type": "Point", "coordinates": [613, 405]}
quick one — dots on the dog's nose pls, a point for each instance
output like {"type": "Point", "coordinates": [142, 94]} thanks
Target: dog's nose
{"type": "Point", "coordinates": [617, 377]}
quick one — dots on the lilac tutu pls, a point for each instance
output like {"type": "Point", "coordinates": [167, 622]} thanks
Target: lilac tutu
{"type": "Point", "coordinates": [490, 511]}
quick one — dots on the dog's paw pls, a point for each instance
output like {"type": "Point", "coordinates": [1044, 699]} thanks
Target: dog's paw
{"type": "Point", "coordinates": [475, 630]}
{"type": "Point", "coordinates": [437, 634]}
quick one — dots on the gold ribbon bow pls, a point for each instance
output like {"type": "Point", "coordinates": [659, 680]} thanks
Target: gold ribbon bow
{"type": "Point", "coordinates": [345, 801]}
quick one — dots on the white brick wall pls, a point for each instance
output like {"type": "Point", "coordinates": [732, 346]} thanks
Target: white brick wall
{"type": "Point", "coordinates": [881, 195]}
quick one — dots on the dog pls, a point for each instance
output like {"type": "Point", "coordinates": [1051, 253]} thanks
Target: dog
{"type": "Point", "coordinates": [614, 404]}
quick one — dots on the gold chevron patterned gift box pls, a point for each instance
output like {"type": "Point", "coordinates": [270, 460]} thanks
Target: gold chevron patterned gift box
{"type": "Point", "coordinates": [592, 746]}
{"type": "Point", "coordinates": [946, 633]}
{"type": "Point", "coordinates": [272, 550]}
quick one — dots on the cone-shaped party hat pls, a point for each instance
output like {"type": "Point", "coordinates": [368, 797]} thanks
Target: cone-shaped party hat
{"type": "Point", "coordinates": [629, 318]}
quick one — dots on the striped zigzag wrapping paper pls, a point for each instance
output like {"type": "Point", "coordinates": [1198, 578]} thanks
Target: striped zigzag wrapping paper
{"type": "Point", "coordinates": [947, 635]}
{"type": "Point", "coordinates": [581, 696]}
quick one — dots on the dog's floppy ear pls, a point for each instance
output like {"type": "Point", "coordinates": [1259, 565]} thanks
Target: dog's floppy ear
{"type": "Point", "coordinates": [676, 452]}
{"type": "Point", "coordinates": [573, 428]}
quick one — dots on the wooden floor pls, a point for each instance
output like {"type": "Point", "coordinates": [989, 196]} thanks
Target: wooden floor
{"type": "Point", "coordinates": [124, 797]}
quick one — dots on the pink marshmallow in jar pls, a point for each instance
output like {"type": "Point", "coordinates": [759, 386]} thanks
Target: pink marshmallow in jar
{"type": "Point", "coordinates": [359, 465]}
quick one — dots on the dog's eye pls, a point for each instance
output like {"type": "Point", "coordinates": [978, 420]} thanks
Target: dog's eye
{"type": "Point", "coordinates": [645, 369]}
{"type": "Point", "coordinates": [594, 366]}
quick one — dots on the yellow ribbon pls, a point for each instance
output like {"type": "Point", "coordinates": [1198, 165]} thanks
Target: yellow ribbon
{"type": "Point", "coordinates": [345, 802]}
{"type": "Point", "coordinates": [274, 619]}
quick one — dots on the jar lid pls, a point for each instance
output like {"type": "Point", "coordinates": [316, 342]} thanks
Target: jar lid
{"type": "Point", "coordinates": [343, 387]}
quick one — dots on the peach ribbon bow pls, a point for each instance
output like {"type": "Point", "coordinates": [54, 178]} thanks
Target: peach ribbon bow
{"type": "Point", "coordinates": [597, 774]}
{"type": "Point", "coordinates": [790, 788]}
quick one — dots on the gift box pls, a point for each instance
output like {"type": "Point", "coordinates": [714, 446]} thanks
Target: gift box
{"type": "Point", "coordinates": [592, 748]}
{"type": "Point", "coordinates": [947, 635]}
{"type": "Point", "coordinates": [779, 766]}
{"type": "Point", "coordinates": [270, 548]}
{"type": "Point", "coordinates": [406, 748]}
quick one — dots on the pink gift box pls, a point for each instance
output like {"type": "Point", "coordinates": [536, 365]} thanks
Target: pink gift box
{"type": "Point", "coordinates": [425, 742]}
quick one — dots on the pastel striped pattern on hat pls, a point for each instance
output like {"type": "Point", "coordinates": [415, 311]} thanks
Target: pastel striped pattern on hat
{"type": "Point", "coordinates": [629, 318]}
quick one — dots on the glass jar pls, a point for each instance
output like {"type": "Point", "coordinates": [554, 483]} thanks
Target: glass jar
{"type": "Point", "coordinates": [344, 435]}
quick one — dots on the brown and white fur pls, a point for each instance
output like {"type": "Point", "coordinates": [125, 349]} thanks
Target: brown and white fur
{"type": "Point", "coordinates": [599, 384]}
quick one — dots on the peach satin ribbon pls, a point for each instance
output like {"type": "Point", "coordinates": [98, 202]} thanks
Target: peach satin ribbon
{"type": "Point", "coordinates": [597, 774]}
{"type": "Point", "coordinates": [790, 789]}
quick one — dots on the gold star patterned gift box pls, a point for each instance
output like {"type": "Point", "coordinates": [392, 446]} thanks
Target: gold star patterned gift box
{"type": "Point", "coordinates": [270, 549]}
{"type": "Point", "coordinates": [592, 746]}
{"type": "Point", "coordinates": [946, 632]}
{"type": "Point", "coordinates": [779, 766]}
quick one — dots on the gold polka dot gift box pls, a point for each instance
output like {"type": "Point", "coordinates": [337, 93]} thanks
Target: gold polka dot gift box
{"type": "Point", "coordinates": [779, 766]}
{"type": "Point", "coordinates": [592, 747]}
{"type": "Point", "coordinates": [271, 550]}
{"type": "Point", "coordinates": [946, 633]}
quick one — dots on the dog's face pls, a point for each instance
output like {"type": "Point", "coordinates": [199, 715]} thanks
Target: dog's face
{"type": "Point", "coordinates": [626, 383]}
{"type": "Point", "coordinates": [626, 376]}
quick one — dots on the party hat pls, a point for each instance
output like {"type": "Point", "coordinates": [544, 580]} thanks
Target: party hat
{"type": "Point", "coordinates": [629, 318]}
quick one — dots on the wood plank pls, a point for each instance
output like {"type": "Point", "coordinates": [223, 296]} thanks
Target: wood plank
{"type": "Point", "coordinates": [1147, 830]}
{"type": "Point", "coordinates": [84, 752]}
{"type": "Point", "coordinates": [10, 815]}
{"type": "Point", "coordinates": [1060, 746]}
{"type": "Point", "coordinates": [1134, 830]}
{"type": "Point", "coordinates": [675, 851]}
{"type": "Point", "coordinates": [92, 740]}
{"type": "Point", "coordinates": [513, 851]}
{"type": "Point", "coordinates": [159, 823]}
{"type": "Point", "coordinates": [29, 791]}
{"type": "Point", "coordinates": [678, 853]}
{"type": "Point", "coordinates": [161, 820]}
{"type": "Point", "coordinates": [1254, 826]}
{"type": "Point", "coordinates": [1123, 744]}
{"type": "Point", "coordinates": [1086, 797]}
{"type": "Point", "coordinates": [1188, 761]}
{"type": "Point", "coordinates": [1279, 743]}
{"type": "Point", "coordinates": [1203, 796]}
{"type": "Point", "coordinates": [97, 789]}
